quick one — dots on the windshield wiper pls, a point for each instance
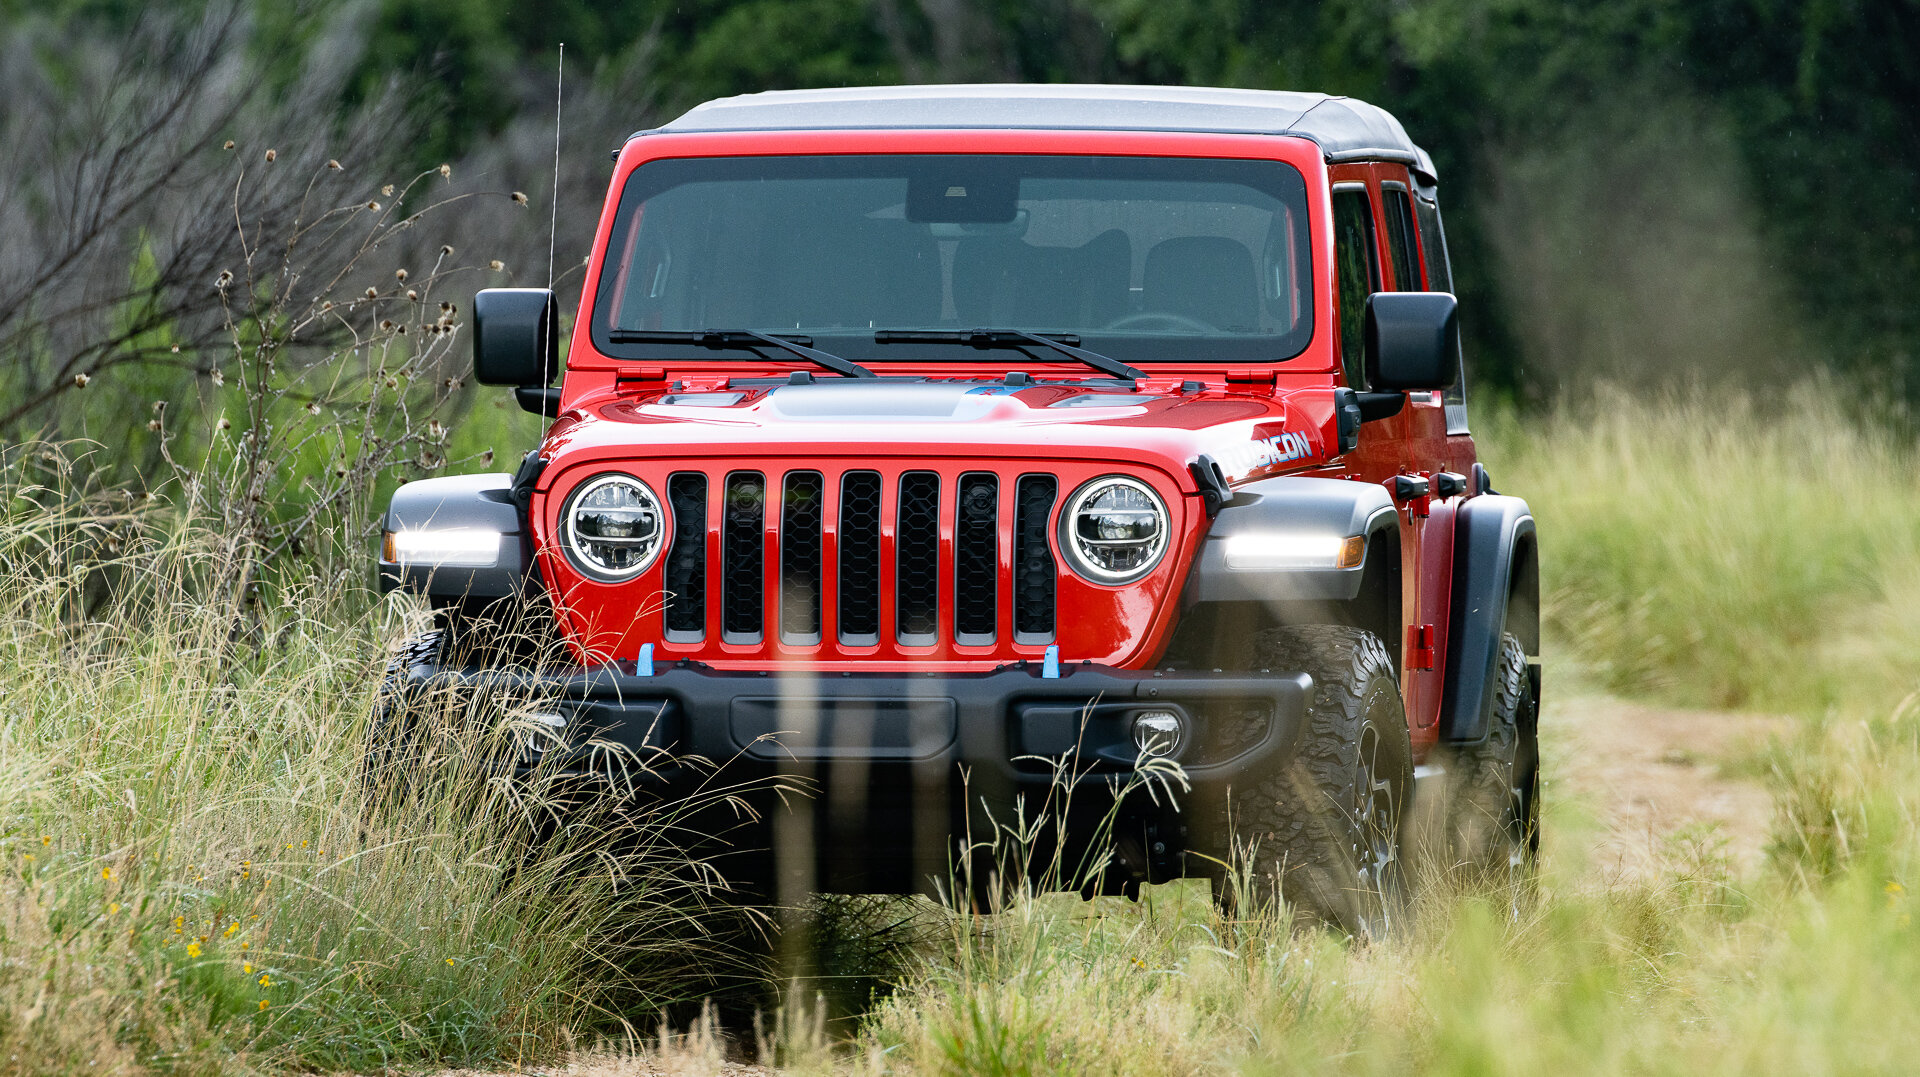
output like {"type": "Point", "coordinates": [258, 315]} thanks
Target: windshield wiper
{"type": "Point", "coordinates": [734, 338]}
{"type": "Point", "coordinates": [1012, 338]}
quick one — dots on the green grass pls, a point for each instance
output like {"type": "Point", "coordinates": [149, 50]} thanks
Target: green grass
{"type": "Point", "coordinates": [191, 876]}
{"type": "Point", "coordinates": [1705, 552]}
{"type": "Point", "coordinates": [1700, 552]}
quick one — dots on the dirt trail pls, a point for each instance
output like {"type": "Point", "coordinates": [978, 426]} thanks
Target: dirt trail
{"type": "Point", "coordinates": [1625, 779]}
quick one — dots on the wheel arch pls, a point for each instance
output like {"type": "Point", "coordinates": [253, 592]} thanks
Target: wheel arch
{"type": "Point", "coordinates": [1222, 602]}
{"type": "Point", "coordinates": [467, 505]}
{"type": "Point", "coordinates": [1496, 591]}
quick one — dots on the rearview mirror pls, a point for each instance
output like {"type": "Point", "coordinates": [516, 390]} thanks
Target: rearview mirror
{"type": "Point", "coordinates": [516, 337]}
{"type": "Point", "coordinates": [1412, 341]}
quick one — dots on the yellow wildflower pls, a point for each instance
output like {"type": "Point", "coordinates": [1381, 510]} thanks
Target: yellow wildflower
{"type": "Point", "coordinates": [193, 949]}
{"type": "Point", "coordinates": [449, 962]}
{"type": "Point", "coordinates": [265, 980]}
{"type": "Point", "coordinates": [246, 967]}
{"type": "Point", "coordinates": [46, 839]}
{"type": "Point", "coordinates": [106, 873]}
{"type": "Point", "coordinates": [264, 1004]}
{"type": "Point", "coordinates": [113, 909]}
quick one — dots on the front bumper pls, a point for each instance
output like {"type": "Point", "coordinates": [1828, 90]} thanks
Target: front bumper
{"type": "Point", "coordinates": [908, 770]}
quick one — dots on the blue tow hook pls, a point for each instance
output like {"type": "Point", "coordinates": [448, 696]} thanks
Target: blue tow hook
{"type": "Point", "coordinates": [643, 665]}
{"type": "Point", "coordinates": [1050, 666]}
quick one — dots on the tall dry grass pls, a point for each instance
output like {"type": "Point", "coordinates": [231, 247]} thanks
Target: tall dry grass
{"type": "Point", "coordinates": [1700, 551]}
{"type": "Point", "coordinates": [179, 821]}
{"type": "Point", "coordinates": [193, 877]}
{"type": "Point", "coordinates": [1703, 550]}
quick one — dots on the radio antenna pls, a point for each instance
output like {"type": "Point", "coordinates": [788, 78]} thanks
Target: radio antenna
{"type": "Point", "coordinates": [553, 220]}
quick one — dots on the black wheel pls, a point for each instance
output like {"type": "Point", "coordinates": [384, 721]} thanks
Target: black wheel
{"type": "Point", "coordinates": [1494, 803]}
{"type": "Point", "coordinates": [420, 729]}
{"type": "Point", "coordinates": [394, 734]}
{"type": "Point", "coordinates": [1327, 827]}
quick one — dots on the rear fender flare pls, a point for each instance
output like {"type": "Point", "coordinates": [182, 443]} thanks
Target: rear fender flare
{"type": "Point", "coordinates": [1496, 591]}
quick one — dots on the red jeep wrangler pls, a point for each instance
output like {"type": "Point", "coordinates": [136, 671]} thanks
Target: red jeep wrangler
{"type": "Point", "coordinates": [932, 442]}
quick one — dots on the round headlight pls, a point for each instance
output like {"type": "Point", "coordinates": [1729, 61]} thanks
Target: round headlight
{"type": "Point", "coordinates": [1114, 530]}
{"type": "Point", "coordinates": [613, 527]}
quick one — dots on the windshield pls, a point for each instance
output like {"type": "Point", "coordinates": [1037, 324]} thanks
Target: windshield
{"type": "Point", "coordinates": [1142, 259]}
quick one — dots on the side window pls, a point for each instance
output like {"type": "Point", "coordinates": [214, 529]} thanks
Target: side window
{"type": "Point", "coordinates": [1440, 279]}
{"type": "Point", "coordinates": [1358, 273]}
{"type": "Point", "coordinates": [1406, 261]}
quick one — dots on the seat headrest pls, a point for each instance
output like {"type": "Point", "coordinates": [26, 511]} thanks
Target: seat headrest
{"type": "Point", "coordinates": [1209, 278]}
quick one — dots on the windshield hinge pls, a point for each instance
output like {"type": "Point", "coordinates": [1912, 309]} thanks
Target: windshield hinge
{"type": "Point", "coordinates": [1251, 378]}
{"type": "Point", "coordinates": [640, 373]}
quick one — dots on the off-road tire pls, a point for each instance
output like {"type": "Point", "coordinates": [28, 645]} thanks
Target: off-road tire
{"type": "Point", "coordinates": [1327, 827]}
{"type": "Point", "coordinates": [395, 740]}
{"type": "Point", "coordinates": [1493, 803]}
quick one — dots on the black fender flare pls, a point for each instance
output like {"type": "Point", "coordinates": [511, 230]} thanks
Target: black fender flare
{"type": "Point", "coordinates": [1288, 506]}
{"type": "Point", "coordinates": [481, 504]}
{"type": "Point", "coordinates": [1496, 590]}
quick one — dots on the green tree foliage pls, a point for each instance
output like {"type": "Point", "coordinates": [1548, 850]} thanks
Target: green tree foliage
{"type": "Point", "coordinates": [1814, 100]}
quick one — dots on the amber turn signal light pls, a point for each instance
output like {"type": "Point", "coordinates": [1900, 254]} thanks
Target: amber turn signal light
{"type": "Point", "coordinates": [1352, 552]}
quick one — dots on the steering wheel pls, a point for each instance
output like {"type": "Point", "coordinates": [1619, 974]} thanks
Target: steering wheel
{"type": "Point", "coordinates": [1162, 321]}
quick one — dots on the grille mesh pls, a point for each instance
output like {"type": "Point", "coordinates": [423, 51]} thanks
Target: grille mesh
{"type": "Point", "coordinates": [686, 574]}
{"type": "Point", "coordinates": [917, 552]}
{"type": "Point", "coordinates": [859, 577]}
{"type": "Point", "coordinates": [1034, 570]}
{"type": "Point", "coordinates": [976, 557]}
{"type": "Point", "coordinates": [744, 555]}
{"type": "Point", "coordinates": [801, 514]}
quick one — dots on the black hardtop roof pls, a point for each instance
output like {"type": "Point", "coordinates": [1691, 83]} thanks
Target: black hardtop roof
{"type": "Point", "coordinates": [1345, 128]}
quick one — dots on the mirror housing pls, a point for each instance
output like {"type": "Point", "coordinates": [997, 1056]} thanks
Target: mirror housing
{"type": "Point", "coordinates": [1412, 341]}
{"type": "Point", "coordinates": [516, 337]}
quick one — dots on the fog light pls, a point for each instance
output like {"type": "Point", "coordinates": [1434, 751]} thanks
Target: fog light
{"type": "Point", "coordinates": [547, 732]}
{"type": "Point", "coordinates": [1158, 732]}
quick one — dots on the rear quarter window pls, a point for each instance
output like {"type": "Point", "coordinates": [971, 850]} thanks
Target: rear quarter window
{"type": "Point", "coordinates": [1440, 279]}
{"type": "Point", "coordinates": [1406, 260]}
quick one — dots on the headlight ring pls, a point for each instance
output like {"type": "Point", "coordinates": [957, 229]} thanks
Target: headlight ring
{"type": "Point", "coordinates": [613, 527]}
{"type": "Point", "coordinates": [1114, 530]}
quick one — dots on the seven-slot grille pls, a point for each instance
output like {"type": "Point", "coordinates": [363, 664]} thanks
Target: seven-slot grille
{"type": "Point", "coordinates": [794, 506]}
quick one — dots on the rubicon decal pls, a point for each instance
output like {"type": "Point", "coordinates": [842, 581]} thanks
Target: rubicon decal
{"type": "Point", "coordinates": [1244, 459]}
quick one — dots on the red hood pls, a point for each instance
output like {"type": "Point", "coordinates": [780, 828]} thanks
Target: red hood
{"type": "Point", "coordinates": [1250, 434]}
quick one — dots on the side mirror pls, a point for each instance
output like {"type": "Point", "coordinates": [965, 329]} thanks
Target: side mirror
{"type": "Point", "coordinates": [1412, 342]}
{"type": "Point", "coordinates": [516, 337]}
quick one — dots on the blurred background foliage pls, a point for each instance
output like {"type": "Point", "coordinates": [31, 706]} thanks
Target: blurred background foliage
{"type": "Point", "coordinates": [1639, 192]}
{"type": "Point", "coordinates": [1767, 151]}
